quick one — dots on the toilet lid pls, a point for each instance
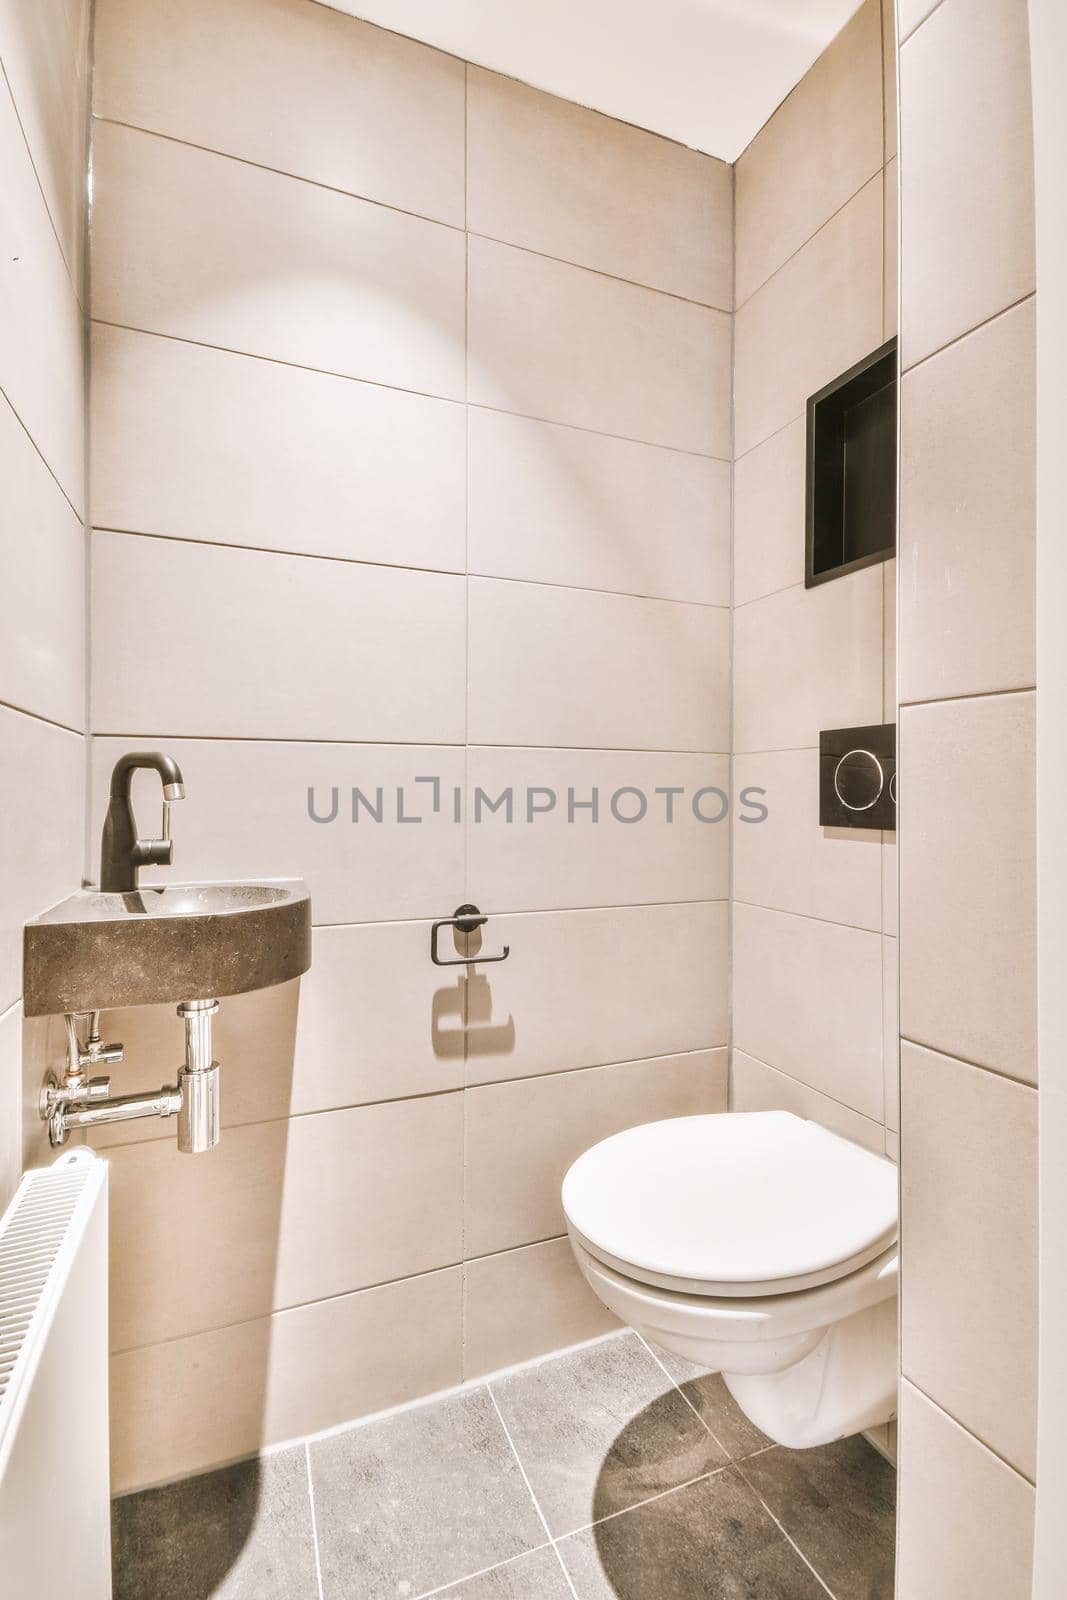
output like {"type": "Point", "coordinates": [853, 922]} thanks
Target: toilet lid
{"type": "Point", "coordinates": [742, 1203]}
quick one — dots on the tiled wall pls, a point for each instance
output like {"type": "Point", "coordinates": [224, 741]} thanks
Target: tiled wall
{"type": "Point", "coordinates": [814, 909]}
{"type": "Point", "coordinates": [411, 442]}
{"type": "Point", "coordinates": [44, 58]}
{"type": "Point", "coordinates": [967, 878]}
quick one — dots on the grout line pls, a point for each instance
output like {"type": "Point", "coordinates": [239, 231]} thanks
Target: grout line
{"type": "Point", "coordinates": [963, 1427]}
{"type": "Point", "coordinates": [787, 1536]}
{"type": "Point", "coordinates": [529, 1486]}
{"type": "Point", "coordinates": [700, 1418]}
{"type": "Point", "coordinates": [638, 1505]}
{"type": "Point", "coordinates": [277, 172]}
{"type": "Point", "coordinates": [465, 571]}
{"type": "Point", "coordinates": [314, 1524]}
{"type": "Point", "coordinates": [825, 223]}
{"type": "Point", "coordinates": [351, 1424]}
{"type": "Point", "coordinates": [980, 694]}
{"type": "Point", "coordinates": [419, 745]}
{"type": "Point", "coordinates": [810, 916]}
{"type": "Point", "coordinates": [396, 388]}
{"type": "Point", "coordinates": [67, 267]}
{"type": "Point", "coordinates": [931, 355]}
{"type": "Point", "coordinates": [441, 1094]}
{"type": "Point", "coordinates": [911, 31]}
{"type": "Point", "coordinates": [454, 1583]}
{"type": "Point", "coordinates": [418, 216]}
{"type": "Point", "coordinates": [79, 516]}
{"type": "Point", "coordinates": [37, 716]}
{"type": "Point", "coordinates": [965, 1061]}
{"type": "Point", "coordinates": [810, 1087]}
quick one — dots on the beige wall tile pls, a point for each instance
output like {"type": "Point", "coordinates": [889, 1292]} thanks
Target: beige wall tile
{"type": "Point", "coordinates": [808, 659]}
{"type": "Point", "coordinates": [282, 1213]}
{"type": "Point", "coordinates": [819, 314]}
{"type": "Point", "coordinates": [889, 641]}
{"type": "Point", "coordinates": [526, 1303]}
{"type": "Point", "coordinates": [200, 247]}
{"type": "Point", "coordinates": [44, 1051]}
{"type": "Point", "coordinates": [787, 861]}
{"type": "Point", "coordinates": [557, 342]}
{"type": "Point", "coordinates": [892, 1145]}
{"type": "Point", "coordinates": [967, 880]}
{"type": "Point", "coordinates": [628, 982]}
{"type": "Point", "coordinates": [275, 646]}
{"type": "Point", "coordinates": [551, 176]}
{"type": "Point", "coordinates": [784, 969]}
{"type": "Point", "coordinates": [969, 1241]}
{"type": "Point", "coordinates": [42, 580]}
{"type": "Point", "coordinates": [291, 86]}
{"type": "Point", "coordinates": [967, 514]}
{"type": "Point", "coordinates": [245, 815]}
{"type": "Point", "coordinates": [769, 514]}
{"type": "Point", "coordinates": [512, 1187]}
{"type": "Point", "coordinates": [891, 250]}
{"type": "Point", "coordinates": [42, 837]}
{"type": "Point", "coordinates": [10, 1102]}
{"type": "Point", "coordinates": [371, 1020]}
{"type": "Point", "coordinates": [377, 1019]}
{"type": "Point", "coordinates": [822, 144]}
{"type": "Point", "coordinates": [890, 917]}
{"type": "Point", "coordinates": [891, 1031]}
{"type": "Point", "coordinates": [197, 443]}
{"type": "Point", "coordinates": [560, 505]}
{"type": "Point", "coordinates": [912, 12]}
{"type": "Point", "coordinates": [553, 863]}
{"type": "Point", "coordinates": [889, 78]}
{"type": "Point", "coordinates": [41, 330]}
{"type": "Point", "coordinates": [967, 232]}
{"type": "Point", "coordinates": [44, 45]}
{"type": "Point", "coordinates": [966, 1519]}
{"type": "Point", "coordinates": [551, 666]}
{"type": "Point", "coordinates": [194, 1403]}
{"type": "Point", "coordinates": [754, 1086]}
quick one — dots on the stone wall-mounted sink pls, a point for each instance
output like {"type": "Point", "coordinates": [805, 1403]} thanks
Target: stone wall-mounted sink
{"type": "Point", "coordinates": [96, 951]}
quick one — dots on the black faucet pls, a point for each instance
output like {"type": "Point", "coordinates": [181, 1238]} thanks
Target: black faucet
{"type": "Point", "coordinates": [122, 854]}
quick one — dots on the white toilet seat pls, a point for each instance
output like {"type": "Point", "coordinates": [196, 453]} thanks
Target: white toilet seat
{"type": "Point", "coordinates": [757, 1245]}
{"type": "Point", "coordinates": [740, 1204]}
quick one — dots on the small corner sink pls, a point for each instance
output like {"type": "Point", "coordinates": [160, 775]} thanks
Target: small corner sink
{"type": "Point", "coordinates": [98, 950]}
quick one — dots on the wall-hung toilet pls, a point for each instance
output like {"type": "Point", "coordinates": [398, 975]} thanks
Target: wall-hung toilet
{"type": "Point", "coordinates": [758, 1245]}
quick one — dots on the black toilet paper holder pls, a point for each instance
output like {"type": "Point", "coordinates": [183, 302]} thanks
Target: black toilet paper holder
{"type": "Point", "coordinates": [466, 918]}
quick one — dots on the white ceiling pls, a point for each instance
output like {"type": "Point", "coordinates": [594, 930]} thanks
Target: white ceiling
{"type": "Point", "coordinates": [706, 72]}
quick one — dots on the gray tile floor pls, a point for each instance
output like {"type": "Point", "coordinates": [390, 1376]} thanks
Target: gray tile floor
{"type": "Point", "coordinates": [610, 1473]}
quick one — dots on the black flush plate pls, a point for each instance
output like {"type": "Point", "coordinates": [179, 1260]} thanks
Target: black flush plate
{"type": "Point", "coordinates": [858, 777]}
{"type": "Point", "coordinates": [852, 469]}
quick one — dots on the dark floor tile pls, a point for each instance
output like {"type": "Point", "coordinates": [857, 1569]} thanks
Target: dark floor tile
{"type": "Point", "coordinates": [419, 1500]}
{"type": "Point", "coordinates": [710, 1541]}
{"type": "Point", "coordinates": [839, 1503]}
{"type": "Point", "coordinates": [600, 1429]}
{"type": "Point", "coordinates": [709, 1394]}
{"type": "Point", "coordinates": [243, 1533]}
{"type": "Point", "coordinates": [534, 1577]}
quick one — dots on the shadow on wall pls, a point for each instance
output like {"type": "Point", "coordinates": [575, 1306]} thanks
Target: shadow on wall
{"type": "Point", "coordinates": [470, 1000]}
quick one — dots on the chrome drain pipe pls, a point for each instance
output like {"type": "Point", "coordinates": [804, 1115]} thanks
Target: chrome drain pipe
{"type": "Point", "coordinates": [198, 1081]}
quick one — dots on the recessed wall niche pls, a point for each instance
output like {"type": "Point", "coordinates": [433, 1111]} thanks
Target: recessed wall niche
{"type": "Point", "coordinates": [852, 469]}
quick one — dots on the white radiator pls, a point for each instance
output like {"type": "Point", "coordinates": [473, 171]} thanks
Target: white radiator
{"type": "Point", "coordinates": [55, 1537]}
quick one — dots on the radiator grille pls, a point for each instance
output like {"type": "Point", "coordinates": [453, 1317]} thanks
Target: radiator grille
{"type": "Point", "coordinates": [32, 1233]}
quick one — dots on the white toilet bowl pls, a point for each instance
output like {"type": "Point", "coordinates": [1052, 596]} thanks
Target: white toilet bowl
{"type": "Point", "coordinates": [757, 1245]}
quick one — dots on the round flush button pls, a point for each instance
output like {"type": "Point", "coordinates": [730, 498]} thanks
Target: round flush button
{"type": "Point", "coordinates": [859, 780]}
